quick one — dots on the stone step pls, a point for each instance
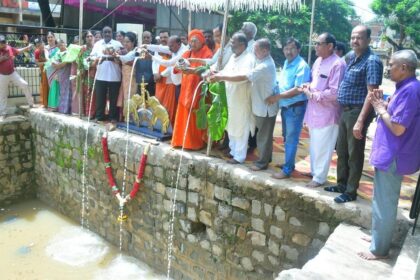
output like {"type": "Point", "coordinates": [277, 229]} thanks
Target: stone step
{"type": "Point", "coordinates": [407, 265]}
{"type": "Point", "coordinates": [338, 259]}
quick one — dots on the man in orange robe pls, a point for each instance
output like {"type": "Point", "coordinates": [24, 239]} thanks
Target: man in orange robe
{"type": "Point", "coordinates": [165, 89]}
{"type": "Point", "coordinates": [190, 81]}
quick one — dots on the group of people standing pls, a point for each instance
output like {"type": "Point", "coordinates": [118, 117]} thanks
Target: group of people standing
{"type": "Point", "coordinates": [337, 100]}
{"type": "Point", "coordinates": [59, 89]}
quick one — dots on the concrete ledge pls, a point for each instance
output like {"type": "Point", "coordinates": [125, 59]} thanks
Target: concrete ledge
{"type": "Point", "coordinates": [338, 259]}
{"type": "Point", "coordinates": [408, 262]}
{"type": "Point", "coordinates": [230, 222]}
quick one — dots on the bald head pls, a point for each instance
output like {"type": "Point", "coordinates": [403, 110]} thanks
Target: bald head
{"type": "Point", "coordinates": [146, 37]}
{"type": "Point", "coordinates": [402, 65]}
{"type": "Point", "coordinates": [174, 43]}
{"type": "Point", "coordinates": [407, 57]}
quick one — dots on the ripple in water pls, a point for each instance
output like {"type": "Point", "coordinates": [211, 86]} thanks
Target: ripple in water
{"type": "Point", "coordinates": [126, 268]}
{"type": "Point", "coordinates": [76, 247]}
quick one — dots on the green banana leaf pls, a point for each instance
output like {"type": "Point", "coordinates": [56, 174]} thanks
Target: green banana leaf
{"type": "Point", "coordinates": [217, 116]}
{"type": "Point", "coordinates": [73, 52]}
{"type": "Point", "coordinates": [201, 112]}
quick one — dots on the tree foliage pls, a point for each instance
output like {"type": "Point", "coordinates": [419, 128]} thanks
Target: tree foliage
{"type": "Point", "coordinates": [402, 16]}
{"type": "Point", "coordinates": [330, 16]}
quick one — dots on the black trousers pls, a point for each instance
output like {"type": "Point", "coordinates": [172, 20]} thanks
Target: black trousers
{"type": "Point", "coordinates": [102, 90]}
{"type": "Point", "coordinates": [351, 151]}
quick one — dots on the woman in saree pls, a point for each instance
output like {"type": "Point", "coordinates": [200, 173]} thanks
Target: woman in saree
{"type": "Point", "coordinates": [130, 42]}
{"type": "Point", "coordinates": [194, 137]}
{"type": "Point", "coordinates": [80, 66]}
{"type": "Point", "coordinates": [60, 98]}
{"type": "Point", "coordinates": [41, 56]}
{"type": "Point", "coordinates": [53, 91]}
{"type": "Point", "coordinates": [88, 76]}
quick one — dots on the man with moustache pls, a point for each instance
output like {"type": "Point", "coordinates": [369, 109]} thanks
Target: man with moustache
{"type": "Point", "coordinates": [323, 111]}
{"type": "Point", "coordinates": [292, 102]}
{"type": "Point", "coordinates": [108, 75]}
{"type": "Point", "coordinates": [395, 148]}
{"type": "Point", "coordinates": [175, 49]}
{"type": "Point", "coordinates": [363, 74]}
{"type": "Point", "coordinates": [263, 79]}
{"type": "Point", "coordinates": [238, 92]}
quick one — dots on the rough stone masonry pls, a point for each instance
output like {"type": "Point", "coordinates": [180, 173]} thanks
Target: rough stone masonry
{"type": "Point", "coordinates": [230, 222]}
{"type": "Point", "coordinates": [16, 160]}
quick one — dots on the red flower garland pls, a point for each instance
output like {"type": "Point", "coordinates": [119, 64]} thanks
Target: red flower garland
{"type": "Point", "coordinates": [108, 170]}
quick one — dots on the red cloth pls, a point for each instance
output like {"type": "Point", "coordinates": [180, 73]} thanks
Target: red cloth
{"type": "Point", "coordinates": [43, 85]}
{"type": "Point", "coordinates": [7, 66]}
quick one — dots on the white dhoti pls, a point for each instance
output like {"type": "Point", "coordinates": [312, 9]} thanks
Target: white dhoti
{"type": "Point", "coordinates": [238, 94]}
{"type": "Point", "coordinates": [238, 146]}
{"type": "Point", "coordinates": [322, 143]}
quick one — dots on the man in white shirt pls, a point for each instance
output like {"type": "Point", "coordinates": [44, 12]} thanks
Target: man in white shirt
{"type": "Point", "coordinates": [108, 75]}
{"type": "Point", "coordinates": [176, 49]}
{"type": "Point", "coordinates": [238, 93]}
{"type": "Point", "coordinates": [263, 79]}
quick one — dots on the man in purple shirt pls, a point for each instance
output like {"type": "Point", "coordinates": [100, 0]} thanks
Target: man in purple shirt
{"type": "Point", "coordinates": [323, 111]}
{"type": "Point", "coordinates": [395, 148]}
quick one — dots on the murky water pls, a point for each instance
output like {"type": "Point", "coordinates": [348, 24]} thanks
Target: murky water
{"type": "Point", "coordinates": [36, 242]}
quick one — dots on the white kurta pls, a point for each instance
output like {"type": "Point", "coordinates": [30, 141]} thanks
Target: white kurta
{"type": "Point", "coordinates": [240, 117]}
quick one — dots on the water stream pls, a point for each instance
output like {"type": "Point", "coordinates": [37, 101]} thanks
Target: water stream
{"type": "Point", "coordinates": [85, 190]}
{"type": "Point", "coordinates": [172, 218]}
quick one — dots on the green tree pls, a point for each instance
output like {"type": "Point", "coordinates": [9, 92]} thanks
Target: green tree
{"type": "Point", "coordinates": [330, 16]}
{"type": "Point", "coordinates": [402, 16]}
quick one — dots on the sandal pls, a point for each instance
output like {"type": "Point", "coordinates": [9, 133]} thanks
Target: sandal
{"type": "Point", "coordinates": [343, 198]}
{"type": "Point", "coordinates": [335, 189]}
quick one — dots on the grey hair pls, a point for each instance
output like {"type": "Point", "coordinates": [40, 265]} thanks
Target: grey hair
{"type": "Point", "coordinates": [407, 57]}
{"type": "Point", "coordinates": [250, 27]}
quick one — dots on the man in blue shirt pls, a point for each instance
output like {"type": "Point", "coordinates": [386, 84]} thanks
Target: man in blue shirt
{"type": "Point", "coordinates": [363, 73]}
{"type": "Point", "coordinates": [292, 102]}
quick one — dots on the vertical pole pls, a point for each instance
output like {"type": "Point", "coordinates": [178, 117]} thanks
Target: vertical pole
{"type": "Point", "coordinates": [311, 31]}
{"type": "Point", "coordinates": [20, 12]}
{"type": "Point", "coordinates": [219, 61]}
{"type": "Point", "coordinates": [78, 77]}
{"type": "Point", "coordinates": [189, 21]}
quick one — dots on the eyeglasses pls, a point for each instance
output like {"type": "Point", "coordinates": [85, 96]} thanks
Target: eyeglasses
{"type": "Point", "coordinates": [320, 43]}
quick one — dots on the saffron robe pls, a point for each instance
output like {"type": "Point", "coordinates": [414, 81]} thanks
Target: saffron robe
{"type": "Point", "coordinates": [194, 136]}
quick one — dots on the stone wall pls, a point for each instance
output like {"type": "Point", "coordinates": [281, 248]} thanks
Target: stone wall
{"type": "Point", "coordinates": [230, 223]}
{"type": "Point", "coordinates": [16, 160]}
